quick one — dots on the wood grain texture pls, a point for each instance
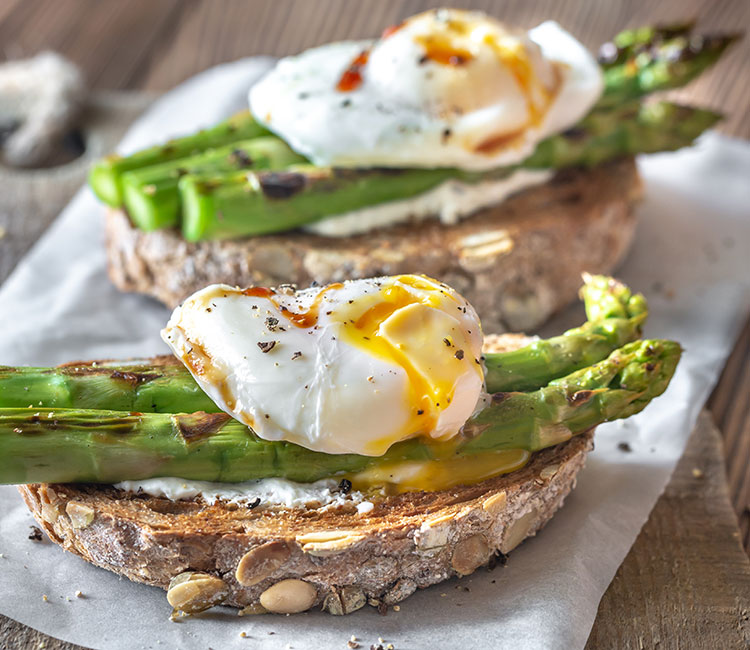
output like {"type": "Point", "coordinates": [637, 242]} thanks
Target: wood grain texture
{"type": "Point", "coordinates": [686, 581]}
{"type": "Point", "coordinates": [730, 406]}
{"type": "Point", "coordinates": [684, 584]}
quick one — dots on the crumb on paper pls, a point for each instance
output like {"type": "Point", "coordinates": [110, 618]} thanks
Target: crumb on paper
{"type": "Point", "coordinates": [45, 598]}
{"type": "Point", "coordinates": [624, 446]}
{"type": "Point", "coordinates": [36, 534]}
{"type": "Point", "coordinates": [79, 594]}
{"type": "Point", "coordinates": [243, 635]}
{"type": "Point", "coordinates": [397, 608]}
{"type": "Point", "coordinates": [352, 644]}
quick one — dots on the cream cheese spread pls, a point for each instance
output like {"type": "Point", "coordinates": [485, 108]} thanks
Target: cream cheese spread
{"type": "Point", "coordinates": [272, 492]}
{"type": "Point", "coordinates": [450, 202]}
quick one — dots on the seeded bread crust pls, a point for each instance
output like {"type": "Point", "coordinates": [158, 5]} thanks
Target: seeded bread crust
{"type": "Point", "coordinates": [517, 262]}
{"type": "Point", "coordinates": [336, 558]}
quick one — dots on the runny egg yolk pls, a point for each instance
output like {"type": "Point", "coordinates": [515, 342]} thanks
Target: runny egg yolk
{"type": "Point", "coordinates": [410, 330]}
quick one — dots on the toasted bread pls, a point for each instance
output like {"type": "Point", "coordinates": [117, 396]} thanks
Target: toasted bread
{"type": "Point", "coordinates": [285, 560]}
{"type": "Point", "coordinates": [517, 262]}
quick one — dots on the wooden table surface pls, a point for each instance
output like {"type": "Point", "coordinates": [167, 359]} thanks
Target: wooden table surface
{"type": "Point", "coordinates": [686, 582]}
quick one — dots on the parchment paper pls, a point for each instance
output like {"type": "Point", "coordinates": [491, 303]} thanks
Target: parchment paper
{"type": "Point", "coordinates": [692, 259]}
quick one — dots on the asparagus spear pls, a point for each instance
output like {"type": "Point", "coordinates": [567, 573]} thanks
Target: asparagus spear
{"type": "Point", "coordinates": [140, 387]}
{"type": "Point", "coordinates": [61, 445]}
{"type": "Point", "coordinates": [630, 42]}
{"type": "Point", "coordinates": [667, 60]}
{"type": "Point", "coordinates": [244, 204]}
{"type": "Point", "coordinates": [106, 175]}
{"type": "Point", "coordinates": [150, 193]}
{"type": "Point", "coordinates": [615, 316]}
{"type": "Point", "coordinates": [615, 388]}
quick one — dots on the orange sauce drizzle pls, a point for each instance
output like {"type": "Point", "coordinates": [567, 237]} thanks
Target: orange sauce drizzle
{"type": "Point", "coordinates": [258, 292]}
{"type": "Point", "coordinates": [351, 79]}
{"type": "Point", "coordinates": [438, 48]}
{"type": "Point", "coordinates": [309, 318]}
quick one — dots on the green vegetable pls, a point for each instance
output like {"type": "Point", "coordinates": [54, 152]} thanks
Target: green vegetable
{"type": "Point", "coordinates": [243, 204]}
{"type": "Point", "coordinates": [150, 193]}
{"type": "Point", "coordinates": [61, 445]}
{"type": "Point", "coordinates": [644, 61]}
{"type": "Point", "coordinates": [105, 177]}
{"type": "Point", "coordinates": [615, 316]}
{"type": "Point", "coordinates": [130, 386]}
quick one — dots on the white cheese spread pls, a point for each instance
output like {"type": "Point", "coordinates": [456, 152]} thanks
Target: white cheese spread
{"type": "Point", "coordinates": [450, 202]}
{"type": "Point", "coordinates": [272, 492]}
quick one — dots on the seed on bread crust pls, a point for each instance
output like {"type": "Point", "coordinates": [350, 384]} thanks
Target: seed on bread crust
{"type": "Point", "coordinates": [289, 596]}
{"type": "Point", "coordinates": [80, 514]}
{"type": "Point", "coordinates": [344, 600]}
{"type": "Point", "coordinates": [328, 542]}
{"type": "Point", "coordinates": [469, 554]}
{"type": "Point", "coordinates": [192, 592]}
{"type": "Point", "coordinates": [517, 531]}
{"type": "Point", "coordinates": [548, 472]}
{"type": "Point", "coordinates": [260, 562]}
{"type": "Point", "coordinates": [496, 503]}
{"type": "Point", "coordinates": [433, 533]}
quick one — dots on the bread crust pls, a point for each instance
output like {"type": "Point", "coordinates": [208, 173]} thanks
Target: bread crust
{"type": "Point", "coordinates": [517, 262]}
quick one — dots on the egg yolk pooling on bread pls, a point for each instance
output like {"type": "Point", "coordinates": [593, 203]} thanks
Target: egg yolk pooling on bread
{"type": "Point", "coordinates": [350, 368]}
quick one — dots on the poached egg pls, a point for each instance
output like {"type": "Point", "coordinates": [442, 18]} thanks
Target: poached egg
{"type": "Point", "coordinates": [352, 367]}
{"type": "Point", "coordinates": [445, 88]}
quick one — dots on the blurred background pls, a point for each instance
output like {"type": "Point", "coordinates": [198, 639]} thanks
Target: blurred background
{"type": "Point", "coordinates": [155, 44]}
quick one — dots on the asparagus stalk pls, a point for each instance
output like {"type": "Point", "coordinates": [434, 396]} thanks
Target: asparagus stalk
{"type": "Point", "coordinates": [615, 388]}
{"type": "Point", "coordinates": [644, 63]}
{"type": "Point", "coordinates": [106, 175]}
{"type": "Point", "coordinates": [69, 445]}
{"type": "Point", "coordinates": [257, 203]}
{"type": "Point", "coordinates": [630, 42]}
{"type": "Point", "coordinates": [134, 387]}
{"type": "Point", "coordinates": [614, 313]}
{"type": "Point", "coordinates": [150, 193]}
{"type": "Point", "coordinates": [615, 317]}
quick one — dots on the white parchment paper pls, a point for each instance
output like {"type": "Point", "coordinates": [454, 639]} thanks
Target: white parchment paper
{"type": "Point", "coordinates": [692, 259]}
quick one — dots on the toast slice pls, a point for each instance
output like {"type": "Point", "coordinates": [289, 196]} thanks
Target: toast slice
{"type": "Point", "coordinates": [517, 262]}
{"type": "Point", "coordinates": [287, 560]}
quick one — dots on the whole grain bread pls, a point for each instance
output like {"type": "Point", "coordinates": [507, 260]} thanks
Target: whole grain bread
{"type": "Point", "coordinates": [517, 262]}
{"type": "Point", "coordinates": [286, 560]}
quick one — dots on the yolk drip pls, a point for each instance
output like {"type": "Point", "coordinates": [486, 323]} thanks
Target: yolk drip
{"type": "Point", "coordinates": [513, 55]}
{"type": "Point", "coordinates": [440, 474]}
{"type": "Point", "coordinates": [429, 394]}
